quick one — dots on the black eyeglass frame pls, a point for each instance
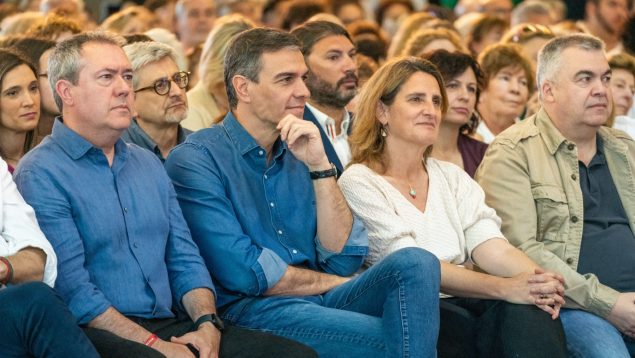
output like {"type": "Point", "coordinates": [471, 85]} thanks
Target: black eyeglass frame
{"type": "Point", "coordinates": [175, 78]}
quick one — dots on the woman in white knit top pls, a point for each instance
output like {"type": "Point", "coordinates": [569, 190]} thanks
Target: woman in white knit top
{"type": "Point", "coordinates": [407, 199]}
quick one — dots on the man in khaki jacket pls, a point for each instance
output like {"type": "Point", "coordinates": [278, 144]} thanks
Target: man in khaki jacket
{"type": "Point", "coordinates": [564, 186]}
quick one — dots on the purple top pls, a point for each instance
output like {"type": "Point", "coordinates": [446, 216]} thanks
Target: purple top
{"type": "Point", "coordinates": [472, 152]}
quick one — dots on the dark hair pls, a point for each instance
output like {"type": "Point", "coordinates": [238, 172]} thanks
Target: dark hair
{"type": "Point", "coordinates": [32, 48]}
{"type": "Point", "coordinates": [385, 4]}
{"type": "Point", "coordinates": [301, 10]}
{"type": "Point", "coordinates": [629, 36]}
{"type": "Point", "coordinates": [337, 5]}
{"type": "Point", "coordinates": [312, 32]}
{"type": "Point", "coordinates": [372, 46]}
{"type": "Point", "coordinates": [245, 51]}
{"type": "Point", "coordinates": [152, 5]}
{"type": "Point", "coordinates": [132, 38]}
{"type": "Point", "coordinates": [484, 26]}
{"type": "Point", "coordinates": [10, 59]}
{"type": "Point", "coordinates": [452, 65]}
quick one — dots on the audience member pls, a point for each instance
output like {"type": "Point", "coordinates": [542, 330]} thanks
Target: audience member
{"type": "Point", "coordinates": [486, 31]}
{"type": "Point", "coordinates": [37, 51]}
{"type": "Point", "coordinates": [463, 80]}
{"type": "Point", "coordinates": [509, 81]}
{"type": "Point", "coordinates": [208, 99]}
{"type": "Point", "coordinates": [166, 37]}
{"type": "Point", "coordinates": [19, 106]}
{"type": "Point", "coordinates": [126, 257]}
{"type": "Point", "coordinates": [160, 100]}
{"type": "Point", "coordinates": [35, 321]}
{"type": "Point", "coordinates": [536, 12]}
{"type": "Point", "coordinates": [407, 199]}
{"type": "Point", "coordinates": [274, 13]}
{"type": "Point", "coordinates": [562, 183]}
{"type": "Point", "coordinates": [251, 9]}
{"type": "Point", "coordinates": [531, 38]}
{"type": "Point", "coordinates": [131, 20]}
{"type": "Point", "coordinates": [389, 14]}
{"type": "Point", "coordinates": [430, 40]}
{"type": "Point", "coordinates": [410, 25]}
{"type": "Point", "coordinates": [348, 11]}
{"type": "Point", "coordinates": [164, 12]}
{"type": "Point", "coordinates": [332, 80]}
{"type": "Point", "coordinates": [300, 11]}
{"type": "Point", "coordinates": [20, 23]}
{"type": "Point", "coordinates": [55, 28]}
{"type": "Point", "coordinates": [623, 88]}
{"type": "Point", "coordinates": [281, 246]}
{"type": "Point", "coordinates": [606, 19]}
{"type": "Point", "coordinates": [193, 21]}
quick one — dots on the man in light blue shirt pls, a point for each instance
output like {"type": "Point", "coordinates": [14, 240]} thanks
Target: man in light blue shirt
{"type": "Point", "coordinates": [126, 257]}
{"type": "Point", "coordinates": [261, 199]}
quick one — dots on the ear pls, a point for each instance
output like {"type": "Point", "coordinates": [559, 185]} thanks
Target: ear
{"type": "Point", "coordinates": [381, 111]}
{"type": "Point", "coordinates": [64, 89]}
{"type": "Point", "coordinates": [546, 92]}
{"type": "Point", "coordinates": [241, 87]}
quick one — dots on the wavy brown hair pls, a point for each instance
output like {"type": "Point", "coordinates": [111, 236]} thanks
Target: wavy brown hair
{"type": "Point", "coordinates": [366, 141]}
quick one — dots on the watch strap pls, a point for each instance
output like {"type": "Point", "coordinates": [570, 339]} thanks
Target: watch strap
{"type": "Point", "coordinates": [320, 174]}
{"type": "Point", "coordinates": [211, 318]}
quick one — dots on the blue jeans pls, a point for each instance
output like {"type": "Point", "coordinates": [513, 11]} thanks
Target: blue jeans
{"type": "Point", "coordinates": [35, 322]}
{"type": "Point", "coordinates": [590, 336]}
{"type": "Point", "coordinates": [392, 309]}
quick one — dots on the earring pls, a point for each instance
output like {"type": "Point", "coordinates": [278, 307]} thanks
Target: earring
{"type": "Point", "coordinates": [383, 131]}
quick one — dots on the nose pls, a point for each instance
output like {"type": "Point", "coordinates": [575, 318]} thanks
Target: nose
{"type": "Point", "coordinates": [175, 90]}
{"type": "Point", "coordinates": [463, 94]}
{"type": "Point", "coordinates": [514, 86]}
{"type": "Point", "coordinates": [302, 91]}
{"type": "Point", "coordinates": [350, 65]}
{"type": "Point", "coordinates": [124, 86]}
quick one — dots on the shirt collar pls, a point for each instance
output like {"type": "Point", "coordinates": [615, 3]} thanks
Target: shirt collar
{"type": "Point", "coordinates": [550, 134]}
{"type": "Point", "coordinates": [77, 146]}
{"type": "Point", "coordinates": [243, 140]}
{"type": "Point", "coordinates": [322, 118]}
{"type": "Point", "coordinates": [138, 135]}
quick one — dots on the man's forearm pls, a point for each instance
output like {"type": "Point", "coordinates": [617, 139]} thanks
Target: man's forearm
{"type": "Point", "coordinates": [28, 265]}
{"type": "Point", "coordinates": [198, 302]}
{"type": "Point", "coordinates": [334, 217]}
{"type": "Point", "coordinates": [113, 321]}
{"type": "Point", "coordinates": [298, 282]}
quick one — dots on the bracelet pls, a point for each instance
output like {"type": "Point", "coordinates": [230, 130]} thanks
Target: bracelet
{"type": "Point", "coordinates": [150, 341]}
{"type": "Point", "coordinates": [9, 277]}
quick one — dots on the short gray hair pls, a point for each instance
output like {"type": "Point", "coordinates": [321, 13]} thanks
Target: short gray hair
{"type": "Point", "coordinates": [550, 56]}
{"type": "Point", "coordinates": [527, 8]}
{"type": "Point", "coordinates": [65, 62]}
{"type": "Point", "coordinates": [141, 54]}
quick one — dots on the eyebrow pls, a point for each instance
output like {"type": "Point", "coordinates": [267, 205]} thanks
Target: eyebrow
{"type": "Point", "coordinates": [591, 73]}
{"type": "Point", "coordinates": [290, 74]}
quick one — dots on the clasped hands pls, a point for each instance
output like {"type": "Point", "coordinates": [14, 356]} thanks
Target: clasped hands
{"type": "Point", "coordinates": [541, 288]}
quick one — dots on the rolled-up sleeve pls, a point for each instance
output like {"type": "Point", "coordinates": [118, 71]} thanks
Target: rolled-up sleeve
{"type": "Point", "coordinates": [20, 228]}
{"type": "Point", "coordinates": [235, 261]}
{"type": "Point", "coordinates": [351, 257]}
{"type": "Point", "coordinates": [54, 213]}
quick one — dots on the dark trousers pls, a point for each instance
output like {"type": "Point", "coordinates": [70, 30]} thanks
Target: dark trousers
{"type": "Point", "coordinates": [35, 322]}
{"type": "Point", "coordinates": [235, 341]}
{"type": "Point", "coordinates": [489, 328]}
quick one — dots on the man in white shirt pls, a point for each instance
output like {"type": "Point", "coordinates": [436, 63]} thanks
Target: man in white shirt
{"type": "Point", "coordinates": [35, 321]}
{"type": "Point", "coordinates": [329, 54]}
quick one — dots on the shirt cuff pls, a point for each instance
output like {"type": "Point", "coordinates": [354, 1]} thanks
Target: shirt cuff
{"type": "Point", "coordinates": [483, 230]}
{"type": "Point", "coordinates": [269, 269]}
{"type": "Point", "coordinates": [356, 245]}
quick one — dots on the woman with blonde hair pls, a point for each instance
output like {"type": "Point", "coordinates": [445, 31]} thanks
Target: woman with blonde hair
{"type": "Point", "coordinates": [412, 23]}
{"type": "Point", "coordinates": [131, 20]}
{"type": "Point", "coordinates": [407, 199]}
{"type": "Point", "coordinates": [430, 40]}
{"type": "Point", "coordinates": [208, 99]}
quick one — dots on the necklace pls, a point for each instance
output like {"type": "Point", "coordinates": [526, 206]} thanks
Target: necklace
{"type": "Point", "coordinates": [412, 192]}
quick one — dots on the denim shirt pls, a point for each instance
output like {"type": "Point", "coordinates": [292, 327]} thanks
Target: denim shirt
{"type": "Point", "coordinates": [118, 231]}
{"type": "Point", "coordinates": [252, 219]}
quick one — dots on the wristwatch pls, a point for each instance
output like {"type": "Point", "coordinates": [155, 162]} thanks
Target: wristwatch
{"type": "Point", "coordinates": [320, 174]}
{"type": "Point", "coordinates": [213, 319]}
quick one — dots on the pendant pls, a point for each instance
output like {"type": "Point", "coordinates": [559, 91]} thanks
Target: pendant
{"type": "Point", "coordinates": [413, 193]}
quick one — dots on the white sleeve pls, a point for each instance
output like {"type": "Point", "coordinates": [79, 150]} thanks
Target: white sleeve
{"type": "Point", "coordinates": [20, 228]}
{"type": "Point", "coordinates": [387, 232]}
{"type": "Point", "coordinates": [479, 222]}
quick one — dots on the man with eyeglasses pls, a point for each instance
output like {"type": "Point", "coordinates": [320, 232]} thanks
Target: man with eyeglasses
{"type": "Point", "coordinates": [127, 266]}
{"type": "Point", "coordinates": [160, 98]}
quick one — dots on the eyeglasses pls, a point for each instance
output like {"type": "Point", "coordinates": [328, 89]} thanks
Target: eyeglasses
{"type": "Point", "coordinates": [162, 85]}
{"type": "Point", "coordinates": [529, 31]}
{"type": "Point", "coordinates": [44, 75]}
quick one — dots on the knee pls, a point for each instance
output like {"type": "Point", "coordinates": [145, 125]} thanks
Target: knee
{"type": "Point", "coordinates": [27, 296]}
{"type": "Point", "coordinates": [414, 261]}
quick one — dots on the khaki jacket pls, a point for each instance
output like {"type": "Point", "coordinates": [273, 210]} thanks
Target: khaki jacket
{"type": "Point", "coordinates": [530, 176]}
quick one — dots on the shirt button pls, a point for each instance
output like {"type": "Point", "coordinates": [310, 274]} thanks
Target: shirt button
{"type": "Point", "coordinates": [125, 210]}
{"type": "Point", "coordinates": [570, 260]}
{"type": "Point", "coordinates": [266, 177]}
{"type": "Point", "coordinates": [294, 251]}
{"type": "Point", "coordinates": [571, 146]}
{"type": "Point", "coordinates": [272, 205]}
{"type": "Point", "coordinates": [574, 219]}
{"type": "Point", "coordinates": [279, 232]}
{"type": "Point", "coordinates": [260, 152]}
{"type": "Point", "coordinates": [574, 177]}
{"type": "Point", "coordinates": [135, 245]}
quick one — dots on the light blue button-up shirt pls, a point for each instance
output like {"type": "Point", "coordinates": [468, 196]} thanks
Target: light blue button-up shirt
{"type": "Point", "coordinates": [118, 231]}
{"type": "Point", "coordinates": [252, 219]}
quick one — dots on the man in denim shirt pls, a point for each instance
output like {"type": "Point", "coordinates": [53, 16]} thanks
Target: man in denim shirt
{"type": "Point", "coordinates": [126, 257]}
{"type": "Point", "coordinates": [281, 246]}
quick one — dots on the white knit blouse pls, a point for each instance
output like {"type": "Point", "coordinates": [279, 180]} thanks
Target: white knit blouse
{"type": "Point", "coordinates": [455, 221]}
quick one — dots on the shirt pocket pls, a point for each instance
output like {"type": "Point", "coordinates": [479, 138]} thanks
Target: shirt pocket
{"type": "Point", "coordinates": [552, 212]}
